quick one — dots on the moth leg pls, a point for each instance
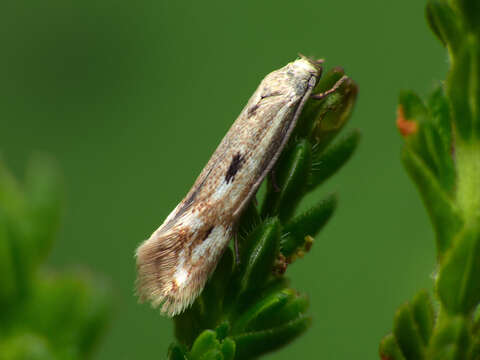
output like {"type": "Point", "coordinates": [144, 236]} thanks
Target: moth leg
{"type": "Point", "coordinates": [235, 247]}
{"type": "Point", "coordinates": [274, 181]}
{"type": "Point", "coordinates": [334, 88]}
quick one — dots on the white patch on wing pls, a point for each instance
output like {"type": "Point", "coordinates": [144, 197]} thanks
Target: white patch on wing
{"type": "Point", "coordinates": [194, 222]}
{"type": "Point", "coordinates": [181, 274]}
{"type": "Point", "coordinates": [215, 241]}
{"type": "Point", "coordinates": [181, 277]}
{"type": "Point", "coordinates": [222, 189]}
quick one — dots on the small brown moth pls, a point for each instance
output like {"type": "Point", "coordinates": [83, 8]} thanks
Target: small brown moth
{"type": "Point", "coordinates": [176, 261]}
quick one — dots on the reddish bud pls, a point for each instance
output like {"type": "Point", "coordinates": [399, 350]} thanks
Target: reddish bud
{"type": "Point", "coordinates": [405, 126]}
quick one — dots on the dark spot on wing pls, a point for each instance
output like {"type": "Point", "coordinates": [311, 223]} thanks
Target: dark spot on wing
{"type": "Point", "coordinates": [270, 94]}
{"type": "Point", "coordinates": [235, 166]}
{"type": "Point", "coordinates": [191, 199]}
{"type": "Point", "coordinates": [252, 110]}
{"type": "Point", "coordinates": [188, 202]}
{"type": "Point", "coordinates": [207, 234]}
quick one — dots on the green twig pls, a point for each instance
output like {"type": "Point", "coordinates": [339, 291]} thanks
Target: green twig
{"type": "Point", "coordinates": [248, 309]}
{"type": "Point", "coordinates": [442, 156]}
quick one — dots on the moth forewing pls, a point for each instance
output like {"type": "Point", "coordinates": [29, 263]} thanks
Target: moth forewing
{"type": "Point", "coordinates": [176, 261]}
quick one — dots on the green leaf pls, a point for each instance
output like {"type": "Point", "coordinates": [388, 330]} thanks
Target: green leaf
{"type": "Point", "coordinates": [442, 210]}
{"type": "Point", "coordinates": [439, 109]}
{"type": "Point", "coordinates": [419, 127]}
{"type": "Point", "coordinates": [443, 164]}
{"type": "Point", "coordinates": [314, 110]}
{"type": "Point", "coordinates": [335, 112]}
{"type": "Point", "coordinates": [329, 79]}
{"type": "Point", "coordinates": [423, 138]}
{"type": "Point", "coordinates": [205, 343]}
{"type": "Point", "coordinates": [258, 256]}
{"type": "Point", "coordinates": [423, 315]}
{"type": "Point", "coordinates": [413, 106]}
{"type": "Point", "coordinates": [288, 182]}
{"type": "Point", "coordinates": [256, 343]}
{"type": "Point", "coordinates": [321, 120]}
{"type": "Point", "coordinates": [17, 231]}
{"type": "Point", "coordinates": [239, 305]}
{"type": "Point", "coordinates": [32, 216]}
{"type": "Point", "coordinates": [26, 346]}
{"type": "Point", "coordinates": [215, 291]}
{"type": "Point", "coordinates": [177, 352]}
{"type": "Point", "coordinates": [458, 286]}
{"type": "Point", "coordinates": [208, 347]}
{"type": "Point", "coordinates": [450, 341]}
{"type": "Point", "coordinates": [295, 307]}
{"type": "Point", "coordinates": [440, 139]}
{"type": "Point", "coordinates": [474, 84]}
{"type": "Point", "coordinates": [475, 349]}
{"type": "Point", "coordinates": [443, 22]}
{"type": "Point", "coordinates": [70, 309]}
{"type": "Point", "coordinates": [308, 223]}
{"type": "Point", "coordinates": [44, 192]}
{"type": "Point", "coordinates": [476, 321]}
{"type": "Point", "coordinates": [189, 323]}
{"type": "Point", "coordinates": [23, 255]}
{"type": "Point", "coordinates": [389, 349]}
{"type": "Point", "coordinates": [266, 307]}
{"type": "Point", "coordinates": [459, 83]}
{"type": "Point", "coordinates": [12, 199]}
{"type": "Point", "coordinates": [222, 330]}
{"type": "Point", "coordinates": [228, 348]}
{"type": "Point", "coordinates": [8, 280]}
{"type": "Point", "coordinates": [470, 12]}
{"type": "Point", "coordinates": [408, 334]}
{"type": "Point", "coordinates": [328, 162]}
{"type": "Point", "coordinates": [249, 220]}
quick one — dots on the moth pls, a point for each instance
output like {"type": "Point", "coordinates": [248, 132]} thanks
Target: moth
{"type": "Point", "coordinates": [174, 264]}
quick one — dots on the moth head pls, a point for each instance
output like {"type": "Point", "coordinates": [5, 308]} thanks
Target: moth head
{"type": "Point", "coordinates": [316, 63]}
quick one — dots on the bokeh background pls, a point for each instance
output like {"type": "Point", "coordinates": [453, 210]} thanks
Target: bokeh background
{"type": "Point", "coordinates": [132, 97]}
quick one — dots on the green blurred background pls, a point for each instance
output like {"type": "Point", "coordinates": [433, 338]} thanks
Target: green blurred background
{"type": "Point", "coordinates": [132, 97]}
